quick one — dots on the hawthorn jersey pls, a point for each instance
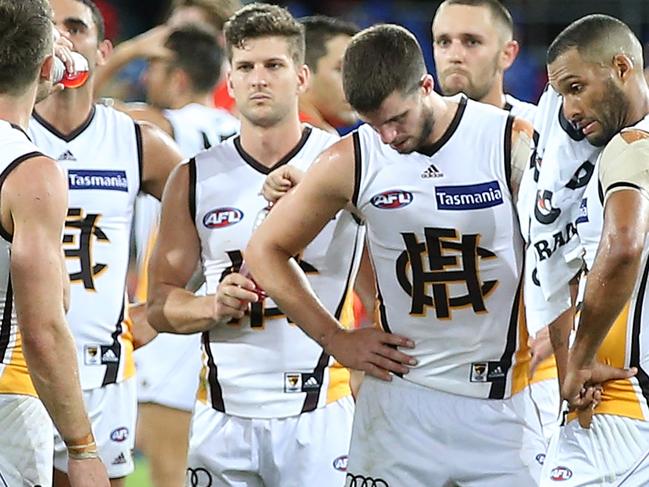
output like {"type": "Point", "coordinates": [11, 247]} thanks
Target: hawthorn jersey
{"type": "Point", "coordinates": [447, 252]}
{"type": "Point", "coordinates": [14, 376]}
{"type": "Point", "coordinates": [103, 159]}
{"type": "Point", "coordinates": [520, 108]}
{"type": "Point", "coordinates": [263, 366]}
{"type": "Point", "coordinates": [195, 128]}
{"type": "Point", "coordinates": [623, 165]}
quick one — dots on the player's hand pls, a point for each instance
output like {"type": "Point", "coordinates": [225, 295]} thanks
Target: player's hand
{"type": "Point", "coordinates": [87, 473]}
{"type": "Point", "coordinates": [582, 386]}
{"type": "Point", "coordinates": [149, 44]}
{"type": "Point", "coordinates": [280, 181]}
{"type": "Point", "coordinates": [63, 51]}
{"type": "Point", "coordinates": [234, 294]}
{"type": "Point", "coordinates": [372, 351]}
{"type": "Point", "coordinates": [142, 332]}
{"type": "Point", "coordinates": [541, 349]}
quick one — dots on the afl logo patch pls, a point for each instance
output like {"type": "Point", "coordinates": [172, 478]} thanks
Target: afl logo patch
{"type": "Point", "coordinates": [120, 434]}
{"type": "Point", "coordinates": [340, 463]}
{"type": "Point", "coordinates": [559, 474]}
{"type": "Point", "coordinates": [390, 200]}
{"type": "Point", "coordinates": [222, 217]}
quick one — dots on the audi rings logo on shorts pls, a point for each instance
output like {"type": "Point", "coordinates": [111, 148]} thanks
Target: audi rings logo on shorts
{"type": "Point", "coordinates": [340, 463]}
{"type": "Point", "coordinates": [560, 474]}
{"type": "Point", "coordinates": [198, 477]}
{"type": "Point", "coordinates": [360, 481]}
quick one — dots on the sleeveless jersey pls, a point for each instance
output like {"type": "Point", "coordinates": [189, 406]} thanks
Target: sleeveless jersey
{"type": "Point", "coordinates": [447, 252]}
{"type": "Point", "coordinates": [627, 342]}
{"type": "Point", "coordinates": [519, 108]}
{"type": "Point", "coordinates": [195, 128]}
{"type": "Point", "coordinates": [14, 376]}
{"type": "Point", "coordinates": [263, 366]}
{"type": "Point", "coordinates": [103, 159]}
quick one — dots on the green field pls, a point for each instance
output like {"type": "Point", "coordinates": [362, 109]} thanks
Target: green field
{"type": "Point", "coordinates": [139, 478]}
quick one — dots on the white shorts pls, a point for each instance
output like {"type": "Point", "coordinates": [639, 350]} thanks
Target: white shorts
{"type": "Point", "coordinates": [112, 410]}
{"type": "Point", "coordinates": [408, 435]}
{"type": "Point", "coordinates": [614, 451]}
{"type": "Point", "coordinates": [25, 442]}
{"type": "Point", "coordinates": [305, 450]}
{"type": "Point", "coordinates": [168, 370]}
{"type": "Point", "coordinates": [546, 396]}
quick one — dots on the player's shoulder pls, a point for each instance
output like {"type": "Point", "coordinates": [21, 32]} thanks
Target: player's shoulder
{"type": "Point", "coordinates": [520, 109]}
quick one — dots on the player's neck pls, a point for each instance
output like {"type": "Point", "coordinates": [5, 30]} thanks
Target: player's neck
{"type": "Point", "coordinates": [315, 118]}
{"type": "Point", "coordinates": [18, 109]}
{"type": "Point", "coordinates": [68, 110]}
{"type": "Point", "coordinates": [495, 97]}
{"type": "Point", "coordinates": [639, 109]}
{"type": "Point", "coordinates": [444, 111]}
{"type": "Point", "coordinates": [269, 145]}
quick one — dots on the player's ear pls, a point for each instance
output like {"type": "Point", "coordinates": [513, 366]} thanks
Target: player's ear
{"type": "Point", "coordinates": [47, 69]}
{"type": "Point", "coordinates": [303, 79]}
{"type": "Point", "coordinates": [623, 66]}
{"type": "Point", "coordinates": [104, 50]}
{"type": "Point", "coordinates": [508, 54]}
{"type": "Point", "coordinates": [427, 83]}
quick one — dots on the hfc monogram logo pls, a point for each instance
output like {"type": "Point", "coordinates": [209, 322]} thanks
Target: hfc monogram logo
{"type": "Point", "coordinates": [85, 231]}
{"type": "Point", "coordinates": [444, 261]}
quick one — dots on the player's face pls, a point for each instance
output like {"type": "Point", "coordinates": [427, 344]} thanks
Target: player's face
{"type": "Point", "coordinates": [326, 84]}
{"type": "Point", "coordinates": [402, 121]}
{"type": "Point", "coordinates": [74, 20]}
{"type": "Point", "coordinates": [265, 81]}
{"type": "Point", "coordinates": [592, 99]}
{"type": "Point", "coordinates": [467, 47]}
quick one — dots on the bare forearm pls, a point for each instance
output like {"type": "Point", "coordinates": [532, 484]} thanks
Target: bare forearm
{"type": "Point", "coordinates": [52, 362]}
{"type": "Point", "coordinates": [176, 310]}
{"type": "Point", "coordinates": [121, 56]}
{"type": "Point", "coordinates": [560, 338]}
{"type": "Point", "coordinates": [282, 279]}
{"type": "Point", "coordinates": [608, 288]}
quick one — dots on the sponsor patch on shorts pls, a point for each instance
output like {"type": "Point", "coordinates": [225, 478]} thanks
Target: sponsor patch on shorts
{"type": "Point", "coordinates": [469, 197]}
{"type": "Point", "coordinates": [119, 434]}
{"type": "Point", "coordinates": [340, 463]}
{"type": "Point", "coordinates": [560, 474]}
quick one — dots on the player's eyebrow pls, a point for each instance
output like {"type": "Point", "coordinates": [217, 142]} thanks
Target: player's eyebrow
{"type": "Point", "coordinates": [70, 22]}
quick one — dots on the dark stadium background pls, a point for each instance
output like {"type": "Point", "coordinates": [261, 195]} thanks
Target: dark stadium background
{"type": "Point", "coordinates": [537, 22]}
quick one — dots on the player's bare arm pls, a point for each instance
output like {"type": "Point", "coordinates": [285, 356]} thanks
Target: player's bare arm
{"type": "Point", "coordinates": [617, 262]}
{"type": "Point", "coordinates": [522, 147]}
{"type": "Point", "coordinates": [172, 308]}
{"type": "Point", "coordinates": [33, 211]}
{"type": "Point", "coordinates": [160, 155]}
{"type": "Point", "coordinates": [295, 221]}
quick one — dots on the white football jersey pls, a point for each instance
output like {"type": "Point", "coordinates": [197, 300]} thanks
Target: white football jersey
{"type": "Point", "coordinates": [197, 127]}
{"type": "Point", "coordinates": [103, 159]}
{"type": "Point", "coordinates": [15, 147]}
{"type": "Point", "coordinates": [520, 108]}
{"type": "Point", "coordinates": [446, 246]}
{"type": "Point", "coordinates": [263, 366]}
